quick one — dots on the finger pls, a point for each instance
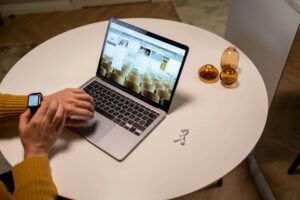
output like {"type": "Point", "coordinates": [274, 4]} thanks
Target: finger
{"type": "Point", "coordinates": [84, 97]}
{"type": "Point", "coordinates": [80, 94]}
{"type": "Point", "coordinates": [74, 122]}
{"type": "Point", "coordinates": [84, 105]}
{"type": "Point", "coordinates": [24, 118]}
{"type": "Point", "coordinates": [61, 125]}
{"type": "Point", "coordinates": [92, 101]}
{"type": "Point", "coordinates": [77, 90]}
{"type": "Point", "coordinates": [41, 111]}
{"type": "Point", "coordinates": [51, 111]}
{"type": "Point", "coordinates": [59, 115]}
{"type": "Point", "coordinates": [82, 112]}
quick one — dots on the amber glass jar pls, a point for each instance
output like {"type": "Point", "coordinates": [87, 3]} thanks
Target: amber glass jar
{"type": "Point", "coordinates": [230, 58]}
{"type": "Point", "coordinates": [208, 73]}
{"type": "Point", "coordinates": [228, 77]}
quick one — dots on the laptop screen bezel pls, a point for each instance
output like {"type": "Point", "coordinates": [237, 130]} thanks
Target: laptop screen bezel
{"type": "Point", "coordinates": [152, 35]}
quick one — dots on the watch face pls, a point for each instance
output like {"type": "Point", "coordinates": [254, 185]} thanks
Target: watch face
{"type": "Point", "coordinates": [33, 100]}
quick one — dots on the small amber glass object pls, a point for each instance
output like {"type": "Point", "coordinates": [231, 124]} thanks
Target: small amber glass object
{"type": "Point", "coordinates": [228, 77]}
{"type": "Point", "coordinates": [208, 73]}
{"type": "Point", "coordinates": [230, 58]}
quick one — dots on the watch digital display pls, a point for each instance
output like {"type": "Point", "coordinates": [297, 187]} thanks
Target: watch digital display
{"type": "Point", "coordinates": [33, 100]}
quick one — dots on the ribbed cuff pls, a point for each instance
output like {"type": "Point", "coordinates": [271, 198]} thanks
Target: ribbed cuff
{"type": "Point", "coordinates": [32, 178]}
{"type": "Point", "coordinates": [11, 106]}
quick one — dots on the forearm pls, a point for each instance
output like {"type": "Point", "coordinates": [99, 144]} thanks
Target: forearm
{"type": "Point", "coordinates": [11, 106]}
{"type": "Point", "coordinates": [32, 180]}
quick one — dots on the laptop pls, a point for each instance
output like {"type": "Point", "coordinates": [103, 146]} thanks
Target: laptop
{"type": "Point", "coordinates": [133, 88]}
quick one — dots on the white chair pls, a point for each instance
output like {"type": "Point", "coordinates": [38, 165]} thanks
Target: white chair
{"type": "Point", "coordinates": [264, 30]}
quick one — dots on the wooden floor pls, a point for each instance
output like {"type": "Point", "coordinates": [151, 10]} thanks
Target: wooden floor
{"type": "Point", "coordinates": [36, 28]}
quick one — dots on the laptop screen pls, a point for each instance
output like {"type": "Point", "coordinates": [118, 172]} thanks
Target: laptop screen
{"type": "Point", "coordinates": [142, 63]}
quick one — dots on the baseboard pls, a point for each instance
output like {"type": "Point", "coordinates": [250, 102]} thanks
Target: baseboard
{"type": "Point", "coordinates": [87, 3]}
{"type": "Point", "coordinates": [261, 183]}
{"type": "Point", "coordinates": [35, 7]}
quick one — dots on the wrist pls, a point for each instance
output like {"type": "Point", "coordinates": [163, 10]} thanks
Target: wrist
{"type": "Point", "coordinates": [46, 98]}
{"type": "Point", "coordinates": [29, 153]}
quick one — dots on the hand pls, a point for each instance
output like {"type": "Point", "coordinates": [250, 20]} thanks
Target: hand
{"type": "Point", "coordinates": [76, 102]}
{"type": "Point", "coordinates": [39, 133]}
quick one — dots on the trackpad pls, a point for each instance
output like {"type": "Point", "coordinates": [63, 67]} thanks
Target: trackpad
{"type": "Point", "coordinates": [96, 128]}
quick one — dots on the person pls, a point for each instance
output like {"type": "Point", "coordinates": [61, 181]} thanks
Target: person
{"type": "Point", "coordinates": [75, 102]}
{"type": "Point", "coordinates": [32, 177]}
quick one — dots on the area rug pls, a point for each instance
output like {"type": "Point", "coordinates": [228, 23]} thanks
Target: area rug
{"type": "Point", "coordinates": [207, 14]}
{"type": "Point", "coordinates": [10, 54]}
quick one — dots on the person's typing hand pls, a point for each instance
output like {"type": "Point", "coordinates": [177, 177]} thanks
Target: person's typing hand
{"type": "Point", "coordinates": [39, 132]}
{"type": "Point", "coordinates": [76, 102]}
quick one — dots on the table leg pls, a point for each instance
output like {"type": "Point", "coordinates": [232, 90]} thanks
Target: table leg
{"type": "Point", "coordinates": [1, 19]}
{"type": "Point", "coordinates": [220, 182]}
{"type": "Point", "coordinates": [294, 165]}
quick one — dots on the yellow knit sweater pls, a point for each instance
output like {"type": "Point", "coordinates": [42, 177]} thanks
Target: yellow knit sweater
{"type": "Point", "coordinates": [11, 107]}
{"type": "Point", "coordinates": [32, 177]}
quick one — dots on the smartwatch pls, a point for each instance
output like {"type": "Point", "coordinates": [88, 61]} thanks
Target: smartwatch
{"type": "Point", "coordinates": [34, 101]}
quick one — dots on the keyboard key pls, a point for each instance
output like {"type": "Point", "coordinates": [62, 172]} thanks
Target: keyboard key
{"type": "Point", "coordinates": [140, 127]}
{"type": "Point", "coordinates": [122, 123]}
{"type": "Point", "coordinates": [131, 104]}
{"type": "Point", "coordinates": [148, 122]}
{"type": "Point", "coordinates": [106, 108]}
{"type": "Point", "coordinates": [117, 120]}
{"type": "Point", "coordinates": [151, 115]}
{"type": "Point", "coordinates": [132, 129]}
{"type": "Point", "coordinates": [134, 112]}
{"type": "Point", "coordinates": [122, 111]}
{"type": "Point", "coordinates": [127, 114]}
{"type": "Point", "coordinates": [138, 132]}
{"type": "Point", "coordinates": [136, 107]}
{"type": "Point", "coordinates": [106, 114]}
{"type": "Point", "coordinates": [144, 117]}
{"type": "Point", "coordinates": [146, 112]}
{"type": "Point", "coordinates": [131, 116]}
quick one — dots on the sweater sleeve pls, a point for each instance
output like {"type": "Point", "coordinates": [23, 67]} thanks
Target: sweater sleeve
{"type": "Point", "coordinates": [33, 181]}
{"type": "Point", "coordinates": [11, 106]}
{"type": "Point", "coordinates": [4, 194]}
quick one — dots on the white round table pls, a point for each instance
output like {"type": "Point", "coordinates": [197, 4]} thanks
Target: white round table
{"type": "Point", "coordinates": [224, 124]}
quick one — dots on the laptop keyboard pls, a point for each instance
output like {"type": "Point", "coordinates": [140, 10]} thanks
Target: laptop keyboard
{"type": "Point", "coordinates": [120, 109]}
